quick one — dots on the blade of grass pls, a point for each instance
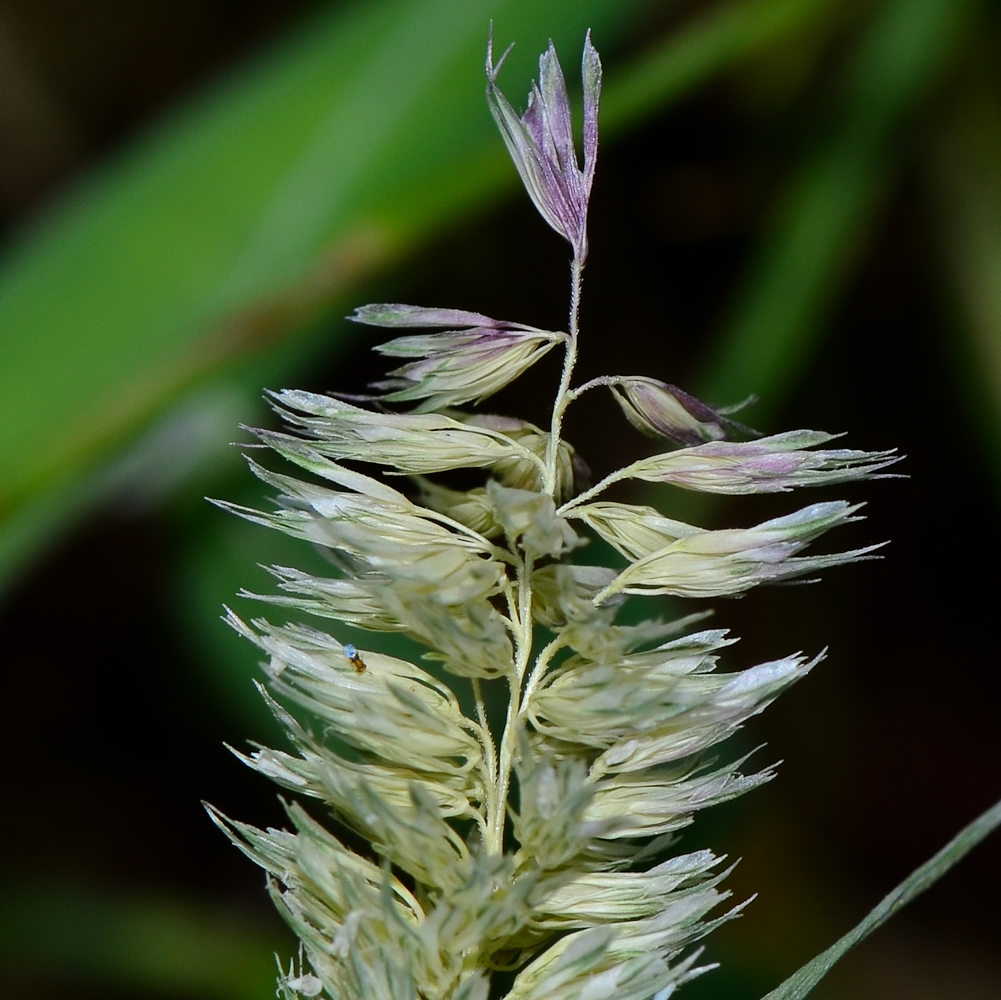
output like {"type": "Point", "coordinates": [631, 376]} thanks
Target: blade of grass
{"type": "Point", "coordinates": [801, 983]}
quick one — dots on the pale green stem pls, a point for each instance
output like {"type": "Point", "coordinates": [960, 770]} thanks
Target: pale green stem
{"type": "Point", "coordinates": [523, 650]}
{"type": "Point", "coordinates": [510, 620]}
{"type": "Point", "coordinates": [539, 670]}
{"type": "Point", "coordinates": [524, 638]}
{"type": "Point", "coordinates": [595, 383]}
{"type": "Point", "coordinates": [563, 394]}
{"type": "Point", "coordinates": [497, 814]}
{"type": "Point", "coordinates": [489, 765]}
{"type": "Point", "coordinates": [481, 822]}
{"type": "Point", "coordinates": [494, 551]}
{"type": "Point", "coordinates": [612, 477]}
{"type": "Point", "coordinates": [528, 455]}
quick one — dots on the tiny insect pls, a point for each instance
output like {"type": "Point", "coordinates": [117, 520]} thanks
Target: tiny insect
{"type": "Point", "coordinates": [356, 661]}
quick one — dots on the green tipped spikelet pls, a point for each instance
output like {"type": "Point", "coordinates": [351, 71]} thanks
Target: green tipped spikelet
{"type": "Point", "coordinates": [537, 848]}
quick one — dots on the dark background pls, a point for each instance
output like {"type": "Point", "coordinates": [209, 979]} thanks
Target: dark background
{"type": "Point", "coordinates": [116, 717]}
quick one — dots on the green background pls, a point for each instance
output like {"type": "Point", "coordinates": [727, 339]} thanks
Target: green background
{"type": "Point", "coordinates": [796, 199]}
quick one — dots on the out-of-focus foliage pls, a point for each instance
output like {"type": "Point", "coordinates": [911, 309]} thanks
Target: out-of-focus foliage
{"type": "Point", "coordinates": [225, 229]}
{"type": "Point", "coordinates": [964, 176]}
{"type": "Point", "coordinates": [831, 200]}
{"type": "Point", "coordinates": [150, 944]}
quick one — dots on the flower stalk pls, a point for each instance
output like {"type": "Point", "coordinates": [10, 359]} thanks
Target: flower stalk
{"type": "Point", "coordinates": [564, 394]}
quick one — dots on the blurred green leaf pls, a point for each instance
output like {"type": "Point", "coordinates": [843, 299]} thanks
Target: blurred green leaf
{"type": "Point", "coordinates": [154, 946]}
{"type": "Point", "coordinates": [700, 50]}
{"type": "Point", "coordinates": [801, 983]}
{"type": "Point", "coordinates": [965, 174]}
{"type": "Point", "coordinates": [225, 228]}
{"type": "Point", "coordinates": [827, 209]}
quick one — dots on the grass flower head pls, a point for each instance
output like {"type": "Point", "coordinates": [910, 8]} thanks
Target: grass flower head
{"type": "Point", "coordinates": [504, 793]}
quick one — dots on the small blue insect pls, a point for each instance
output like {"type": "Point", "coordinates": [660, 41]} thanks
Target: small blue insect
{"type": "Point", "coordinates": [356, 661]}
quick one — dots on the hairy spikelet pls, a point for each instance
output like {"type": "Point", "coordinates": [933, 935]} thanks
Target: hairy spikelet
{"type": "Point", "coordinates": [538, 847]}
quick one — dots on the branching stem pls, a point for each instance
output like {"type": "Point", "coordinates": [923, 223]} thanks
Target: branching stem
{"type": "Point", "coordinates": [582, 498]}
{"type": "Point", "coordinates": [489, 766]}
{"type": "Point", "coordinates": [524, 625]}
{"type": "Point", "coordinates": [541, 665]}
{"type": "Point", "coordinates": [594, 384]}
{"type": "Point", "coordinates": [524, 632]}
